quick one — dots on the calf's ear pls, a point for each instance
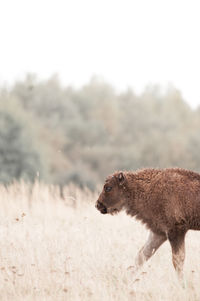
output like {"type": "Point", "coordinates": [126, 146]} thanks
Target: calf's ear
{"type": "Point", "coordinates": [121, 178]}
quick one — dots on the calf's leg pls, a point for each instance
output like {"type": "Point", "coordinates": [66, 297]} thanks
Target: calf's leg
{"type": "Point", "coordinates": [153, 242]}
{"type": "Point", "coordinates": [177, 241]}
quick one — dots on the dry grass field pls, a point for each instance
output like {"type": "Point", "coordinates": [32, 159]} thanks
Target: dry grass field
{"type": "Point", "coordinates": [54, 249]}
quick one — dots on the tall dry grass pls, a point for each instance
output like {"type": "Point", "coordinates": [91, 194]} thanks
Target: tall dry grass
{"type": "Point", "coordinates": [54, 249]}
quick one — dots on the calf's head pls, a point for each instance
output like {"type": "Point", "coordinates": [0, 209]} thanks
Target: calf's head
{"type": "Point", "coordinates": [112, 198]}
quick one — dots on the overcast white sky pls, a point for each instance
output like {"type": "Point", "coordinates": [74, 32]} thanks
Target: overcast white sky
{"type": "Point", "coordinates": [129, 43]}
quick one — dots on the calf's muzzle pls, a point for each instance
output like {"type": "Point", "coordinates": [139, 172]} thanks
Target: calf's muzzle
{"type": "Point", "coordinates": [101, 207]}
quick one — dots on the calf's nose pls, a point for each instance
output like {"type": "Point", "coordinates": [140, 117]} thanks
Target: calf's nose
{"type": "Point", "coordinates": [98, 205]}
{"type": "Point", "coordinates": [101, 207]}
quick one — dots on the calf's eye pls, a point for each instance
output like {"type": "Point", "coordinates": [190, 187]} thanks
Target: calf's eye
{"type": "Point", "coordinates": [108, 188]}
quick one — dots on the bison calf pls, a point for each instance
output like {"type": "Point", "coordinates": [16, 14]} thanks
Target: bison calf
{"type": "Point", "coordinates": [167, 201]}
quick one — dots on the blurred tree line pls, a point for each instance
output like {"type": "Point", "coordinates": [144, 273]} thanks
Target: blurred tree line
{"type": "Point", "coordinates": [62, 134]}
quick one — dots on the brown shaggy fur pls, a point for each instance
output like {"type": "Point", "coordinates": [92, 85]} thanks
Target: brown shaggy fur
{"type": "Point", "coordinates": [166, 200]}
